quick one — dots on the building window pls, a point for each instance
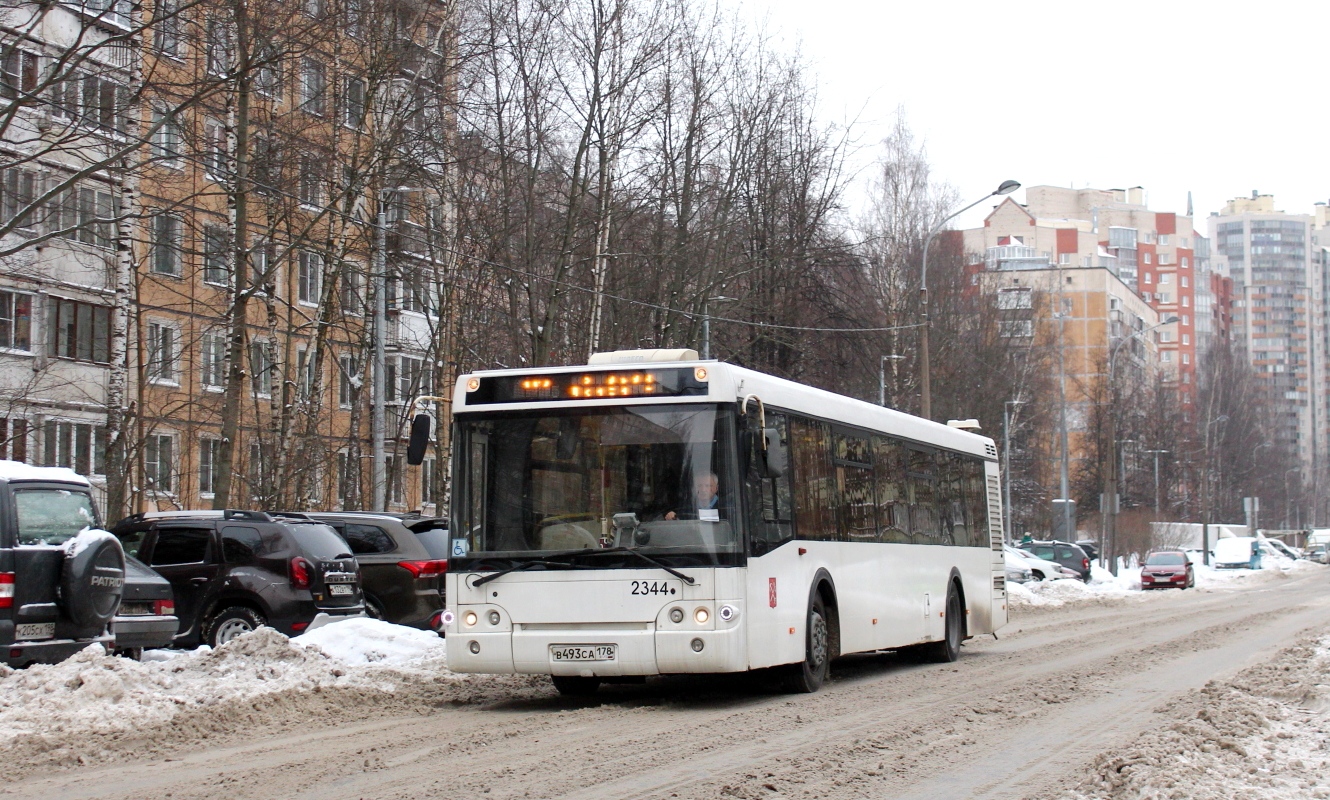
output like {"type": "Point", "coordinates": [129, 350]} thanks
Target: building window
{"type": "Point", "coordinates": [162, 352]}
{"type": "Point", "coordinates": [18, 191]}
{"type": "Point", "coordinates": [1016, 328]}
{"type": "Point", "coordinates": [1186, 319]}
{"type": "Point", "coordinates": [427, 482]}
{"type": "Point", "coordinates": [1186, 262]}
{"type": "Point", "coordinates": [311, 181]}
{"type": "Point", "coordinates": [354, 99]}
{"type": "Point", "coordinates": [1166, 357]}
{"type": "Point", "coordinates": [158, 462]}
{"type": "Point", "coordinates": [1163, 240]}
{"type": "Point", "coordinates": [15, 321]}
{"type": "Point", "coordinates": [263, 263]}
{"type": "Point", "coordinates": [1186, 301]}
{"type": "Point", "coordinates": [311, 278]}
{"type": "Point", "coordinates": [164, 245]}
{"type": "Point", "coordinates": [396, 484]}
{"type": "Point", "coordinates": [1015, 298]}
{"type": "Point", "coordinates": [1184, 281]}
{"type": "Point", "coordinates": [1165, 278]}
{"type": "Point", "coordinates": [166, 28]}
{"type": "Point", "coordinates": [1149, 278]}
{"type": "Point", "coordinates": [305, 369]}
{"type": "Point", "coordinates": [166, 138]}
{"type": "Point", "coordinates": [212, 359]}
{"type": "Point", "coordinates": [351, 287]}
{"type": "Point", "coordinates": [18, 73]}
{"type": "Point", "coordinates": [1186, 339]}
{"type": "Point", "coordinates": [215, 251]}
{"type": "Point", "coordinates": [84, 214]}
{"type": "Point", "coordinates": [217, 44]}
{"type": "Point", "coordinates": [80, 446]}
{"type": "Point", "coordinates": [81, 331]}
{"type": "Point", "coordinates": [1186, 358]}
{"type": "Point", "coordinates": [215, 149]}
{"type": "Point", "coordinates": [210, 452]}
{"type": "Point", "coordinates": [14, 439]}
{"type": "Point", "coordinates": [355, 18]}
{"type": "Point", "coordinates": [1148, 258]}
{"type": "Point", "coordinates": [1165, 336]}
{"type": "Point", "coordinates": [313, 86]}
{"type": "Point", "coordinates": [347, 381]}
{"type": "Point", "coordinates": [268, 72]}
{"type": "Point", "coordinates": [261, 367]}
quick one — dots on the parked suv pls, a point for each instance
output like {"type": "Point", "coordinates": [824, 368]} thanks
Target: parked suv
{"type": "Point", "coordinates": [402, 581]}
{"type": "Point", "coordinates": [60, 577]}
{"type": "Point", "coordinates": [233, 571]}
{"type": "Point", "coordinates": [1067, 554]}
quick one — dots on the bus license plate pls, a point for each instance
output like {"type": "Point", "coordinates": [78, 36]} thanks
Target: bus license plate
{"type": "Point", "coordinates": [582, 652]}
{"type": "Point", "coordinates": [34, 630]}
{"type": "Point", "coordinates": [340, 588]}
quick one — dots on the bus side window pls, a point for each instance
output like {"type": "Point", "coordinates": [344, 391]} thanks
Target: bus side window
{"type": "Point", "coordinates": [814, 480]}
{"type": "Point", "coordinates": [853, 458]}
{"type": "Point", "coordinates": [923, 496]}
{"type": "Point", "coordinates": [893, 510]}
{"type": "Point", "coordinates": [951, 499]}
{"type": "Point", "coordinates": [771, 517]}
{"type": "Point", "coordinates": [976, 499]}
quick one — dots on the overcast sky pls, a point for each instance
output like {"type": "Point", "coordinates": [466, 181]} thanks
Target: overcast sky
{"type": "Point", "coordinates": [1215, 98]}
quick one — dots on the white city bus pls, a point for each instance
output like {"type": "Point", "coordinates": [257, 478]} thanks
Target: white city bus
{"type": "Point", "coordinates": [651, 513]}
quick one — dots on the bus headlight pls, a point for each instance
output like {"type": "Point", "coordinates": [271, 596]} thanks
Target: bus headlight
{"type": "Point", "coordinates": [701, 615]}
{"type": "Point", "coordinates": [676, 615]}
{"type": "Point", "coordinates": [728, 613]}
{"type": "Point", "coordinates": [470, 618]}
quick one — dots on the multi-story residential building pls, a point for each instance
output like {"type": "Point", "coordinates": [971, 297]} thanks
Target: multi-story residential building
{"type": "Point", "coordinates": [345, 114]}
{"type": "Point", "coordinates": [64, 120]}
{"type": "Point", "coordinates": [1278, 283]}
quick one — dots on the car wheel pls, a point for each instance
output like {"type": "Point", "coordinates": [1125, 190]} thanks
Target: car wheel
{"type": "Point", "coordinates": [372, 609]}
{"type": "Point", "coordinates": [1039, 576]}
{"type": "Point", "coordinates": [575, 685]}
{"type": "Point", "coordinates": [807, 676]}
{"type": "Point", "coordinates": [232, 622]}
{"type": "Point", "coordinates": [949, 649]}
{"type": "Point", "coordinates": [132, 653]}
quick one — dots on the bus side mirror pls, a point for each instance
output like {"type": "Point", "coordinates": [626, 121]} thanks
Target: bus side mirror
{"type": "Point", "coordinates": [415, 447]}
{"type": "Point", "coordinates": [773, 454]}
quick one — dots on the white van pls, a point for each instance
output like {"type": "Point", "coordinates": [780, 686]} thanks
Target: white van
{"type": "Point", "coordinates": [1237, 552]}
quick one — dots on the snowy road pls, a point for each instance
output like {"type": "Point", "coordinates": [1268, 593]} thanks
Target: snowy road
{"type": "Point", "coordinates": [1043, 711]}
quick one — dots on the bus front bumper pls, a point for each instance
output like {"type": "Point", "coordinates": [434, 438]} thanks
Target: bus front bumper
{"type": "Point", "coordinates": [641, 650]}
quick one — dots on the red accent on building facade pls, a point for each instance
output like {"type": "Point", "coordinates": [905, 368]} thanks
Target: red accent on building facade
{"type": "Point", "coordinates": [1166, 223]}
{"type": "Point", "coordinates": [1067, 240]}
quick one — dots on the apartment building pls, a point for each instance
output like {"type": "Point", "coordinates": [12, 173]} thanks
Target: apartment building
{"type": "Point", "coordinates": [336, 227]}
{"type": "Point", "coordinates": [64, 123]}
{"type": "Point", "coordinates": [1275, 261]}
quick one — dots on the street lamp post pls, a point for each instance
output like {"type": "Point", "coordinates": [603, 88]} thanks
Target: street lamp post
{"type": "Point", "coordinates": [706, 321]}
{"type": "Point", "coordinates": [1111, 476]}
{"type": "Point", "coordinates": [1156, 454]}
{"type": "Point", "coordinates": [882, 378]}
{"type": "Point", "coordinates": [378, 388]}
{"type": "Point", "coordinates": [1286, 493]}
{"type": "Point", "coordinates": [926, 394]}
{"type": "Point", "coordinates": [1006, 465]}
{"type": "Point", "coordinates": [1207, 491]}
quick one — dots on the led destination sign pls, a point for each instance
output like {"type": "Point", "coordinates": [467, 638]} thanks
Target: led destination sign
{"type": "Point", "coordinates": [590, 385]}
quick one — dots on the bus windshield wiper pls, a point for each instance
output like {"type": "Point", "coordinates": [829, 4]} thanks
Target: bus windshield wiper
{"type": "Point", "coordinates": [653, 562]}
{"type": "Point", "coordinates": [524, 565]}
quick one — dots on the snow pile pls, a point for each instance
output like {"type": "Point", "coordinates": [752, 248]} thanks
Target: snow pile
{"type": "Point", "coordinates": [18, 471]}
{"type": "Point", "coordinates": [49, 712]}
{"type": "Point", "coordinates": [1065, 591]}
{"type": "Point", "coordinates": [1261, 735]}
{"type": "Point", "coordinates": [361, 640]}
{"type": "Point", "coordinates": [88, 537]}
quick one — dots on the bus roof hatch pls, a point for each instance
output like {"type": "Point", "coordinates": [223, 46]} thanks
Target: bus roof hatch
{"type": "Point", "coordinates": [641, 356]}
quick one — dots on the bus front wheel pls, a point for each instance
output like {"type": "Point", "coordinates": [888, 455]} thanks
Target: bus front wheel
{"type": "Point", "coordinates": [808, 675]}
{"type": "Point", "coordinates": [575, 685]}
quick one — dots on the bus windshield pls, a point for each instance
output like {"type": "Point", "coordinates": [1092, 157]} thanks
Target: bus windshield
{"type": "Point", "coordinates": [659, 479]}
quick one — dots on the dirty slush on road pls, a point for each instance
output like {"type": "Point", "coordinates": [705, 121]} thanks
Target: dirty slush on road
{"type": "Point", "coordinates": [374, 721]}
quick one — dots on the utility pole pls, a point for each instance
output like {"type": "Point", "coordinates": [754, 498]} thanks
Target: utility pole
{"type": "Point", "coordinates": [378, 413]}
{"type": "Point", "coordinates": [1156, 454]}
{"type": "Point", "coordinates": [1006, 466]}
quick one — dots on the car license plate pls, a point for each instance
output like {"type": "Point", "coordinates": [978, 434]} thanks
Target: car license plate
{"type": "Point", "coordinates": [341, 588]}
{"type": "Point", "coordinates": [35, 630]}
{"type": "Point", "coordinates": [582, 652]}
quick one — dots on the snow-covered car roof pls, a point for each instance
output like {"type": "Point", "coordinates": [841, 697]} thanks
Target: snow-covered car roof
{"type": "Point", "coordinates": [18, 471]}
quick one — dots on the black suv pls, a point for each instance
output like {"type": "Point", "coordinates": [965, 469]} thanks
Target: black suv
{"type": "Point", "coordinates": [233, 571]}
{"type": "Point", "coordinates": [1067, 554]}
{"type": "Point", "coordinates": [402, 580]}
{"type": "Point", "coordinates": [60, 577]}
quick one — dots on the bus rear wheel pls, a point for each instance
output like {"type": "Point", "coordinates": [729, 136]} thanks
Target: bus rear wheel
{"type": "Point", "coordinates": [575, 685]}
{"type": "Point", "coordinates": [949, 648]}
{"type": "Point", "coordinates": [807, 676]}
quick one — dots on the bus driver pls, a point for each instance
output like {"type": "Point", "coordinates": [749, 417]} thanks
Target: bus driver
{"type": "Point", "coordinates": [706, 500]}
